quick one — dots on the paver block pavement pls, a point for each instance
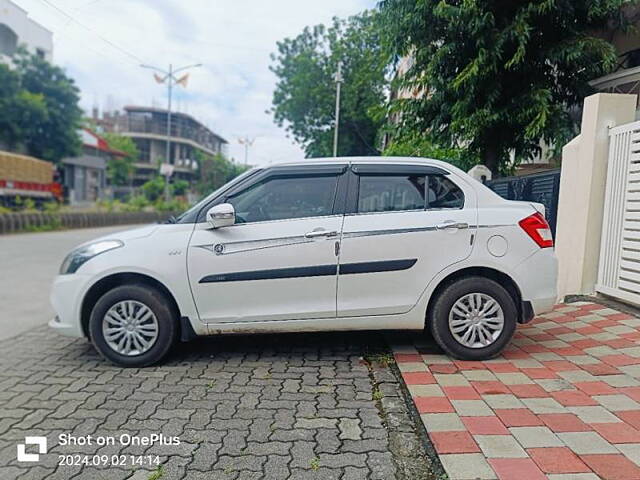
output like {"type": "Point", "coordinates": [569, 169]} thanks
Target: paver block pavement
{"type": "Point", "coordinates": [247, 407]}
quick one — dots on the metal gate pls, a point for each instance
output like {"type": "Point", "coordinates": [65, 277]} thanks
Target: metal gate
{"type": "Point", "coordinates": [540, 187]}
{"type": "Point", "coordinates": [619, 267]}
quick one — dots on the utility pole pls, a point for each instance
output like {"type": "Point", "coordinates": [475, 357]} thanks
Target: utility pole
{"type": "Point", "coordinates": [247, 142]}
{"type": "Point", "coordinates": [171, 80]}
{"type": "Point", "coordinates": [338, 78]}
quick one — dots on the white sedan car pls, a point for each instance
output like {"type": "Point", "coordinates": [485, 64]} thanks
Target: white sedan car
{"type": "Point", "coordinates": [329, 244]}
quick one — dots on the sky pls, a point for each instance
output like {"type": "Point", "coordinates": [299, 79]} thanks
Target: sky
{"type": "Point", "coordinates": [107, 40]}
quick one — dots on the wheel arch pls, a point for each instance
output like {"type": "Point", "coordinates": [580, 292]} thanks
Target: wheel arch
{"type": "Point", "coordinates": [109, 282]}
{"type": "Point", "coordinates": [496, 275]}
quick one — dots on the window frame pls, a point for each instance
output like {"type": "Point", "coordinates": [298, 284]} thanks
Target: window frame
{"type": "Point", "coordinates": [302, 171]}
{"type": "Point", "coordinates": [385, 170]}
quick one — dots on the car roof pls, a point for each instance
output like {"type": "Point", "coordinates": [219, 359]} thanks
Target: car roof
{"type": "Point", "coordinates": [377, 159]}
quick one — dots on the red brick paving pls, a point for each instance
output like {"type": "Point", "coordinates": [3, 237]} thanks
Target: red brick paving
{"type": "Point", "coordinates": [560, 386]}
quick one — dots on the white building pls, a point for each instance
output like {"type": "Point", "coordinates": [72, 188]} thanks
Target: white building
{"type": "Point", "coordinates": [17, 29]}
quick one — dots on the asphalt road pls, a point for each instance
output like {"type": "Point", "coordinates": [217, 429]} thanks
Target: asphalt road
{"type": "Point", "coordinates": [28, 264]}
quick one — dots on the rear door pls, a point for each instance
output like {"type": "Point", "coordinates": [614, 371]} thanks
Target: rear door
{"type": "Point", "coordinates": [404, 224]}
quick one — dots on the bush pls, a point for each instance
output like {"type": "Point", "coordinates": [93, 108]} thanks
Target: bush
{"type": "Point", "coordinates": [174, 205]}
{"type": "Point", "coordinates": [153, 189]}
{"type": "Point", "coordinates": [135, 204]}
{"type": "Point", "coordinates": [179, 187]}
{"type": "Point", "coordinates": [51, 207]}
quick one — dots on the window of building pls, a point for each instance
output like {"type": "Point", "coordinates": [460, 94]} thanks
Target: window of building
{"type": "Point", "coordinates": [144, 149]}
{"type": "Point", "coordinates": [279, 198]}
{"type": "Point", "coordinates": [8, 40]}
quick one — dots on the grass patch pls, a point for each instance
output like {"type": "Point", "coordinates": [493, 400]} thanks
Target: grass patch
{"type": "Point", "coordinates": [157, 473]}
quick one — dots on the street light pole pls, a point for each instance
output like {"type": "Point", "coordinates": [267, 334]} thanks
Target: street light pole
{"type": "Point", "coordinates": [338, 79]}
{"type": "Point", "coordinates": [247, 142]}
{"type": "Point", "coordinates": [170, 78]}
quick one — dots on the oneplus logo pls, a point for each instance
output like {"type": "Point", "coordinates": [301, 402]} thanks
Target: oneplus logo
{"type": "Point", "coordinates": [32, 457]}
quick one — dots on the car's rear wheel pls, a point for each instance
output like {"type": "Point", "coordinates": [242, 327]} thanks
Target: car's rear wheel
{"type": "Point", "coordinates": [133, 326]}
{"type": "Point", "coordinates": [473, 318]}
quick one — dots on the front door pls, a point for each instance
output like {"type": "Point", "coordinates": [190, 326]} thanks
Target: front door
{"type": "Point", "coordinates": [407, 223]}
{"type": "Point", "coordinates": [278, 262]}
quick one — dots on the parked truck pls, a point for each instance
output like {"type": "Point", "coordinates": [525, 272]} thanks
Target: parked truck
{"type": "Point", "coordinates": [23, 177]}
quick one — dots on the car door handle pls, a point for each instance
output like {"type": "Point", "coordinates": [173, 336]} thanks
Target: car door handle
{"type": "Point", "coordinates": [321, 233]}
{"type": "Point", "coordinates": [452, 226]}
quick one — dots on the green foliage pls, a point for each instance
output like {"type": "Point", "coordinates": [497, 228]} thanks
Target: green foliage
{"type": "Point", "coordinates": [179, 187]}
{"type": "Point", "coordinates": [154, 188]}
{"type": "Point", "coordinates": [498, 76]}
{"type": "Point", "coordinates": [173, 205]}
{"type": "Point", "coordinates": [51, 206]}
{"type": "Point", "coordinates": [39, 108]}
{"type": "Point", "coordinates": [120, 169]}
{"type": "Point", "coordinates": [215, 171]}
{"type": "Point", "coordinates": [135, 204]}
{"type": "Point", "coordinates": [421, 145]}
{"type": "Point", "coordinates": [304, 97]}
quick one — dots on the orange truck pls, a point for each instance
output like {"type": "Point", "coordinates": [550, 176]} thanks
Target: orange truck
{"type": "Point", "coordinates": [27, 177]}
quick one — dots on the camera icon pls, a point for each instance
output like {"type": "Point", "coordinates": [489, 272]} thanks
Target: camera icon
{"type": "Point", "coordinates": [23, 456]}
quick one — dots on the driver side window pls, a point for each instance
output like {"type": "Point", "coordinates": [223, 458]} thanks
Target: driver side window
{"type": "Point", "coordinates": [279, 198]}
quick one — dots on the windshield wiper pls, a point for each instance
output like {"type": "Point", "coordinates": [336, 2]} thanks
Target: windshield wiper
{"type": "Point", "coordinates": [171, 219]}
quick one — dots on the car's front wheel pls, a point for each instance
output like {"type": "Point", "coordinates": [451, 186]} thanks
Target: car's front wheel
{"type": "Point", "coordinates": [133, 326]}
{"type": "Point", "coordinates": [473, 318]}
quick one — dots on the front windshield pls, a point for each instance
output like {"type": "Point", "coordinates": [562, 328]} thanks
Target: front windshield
{"type": "Point", "coordinates": [191, 214]}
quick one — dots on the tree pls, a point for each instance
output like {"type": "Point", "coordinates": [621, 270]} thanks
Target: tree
{"type": "Point", "coordinates": [19, 109]}
{"type": "Point", "coordinates": [500, 75]}
{"type": "Point", "coordinates": [49, 127]}
{"type": "Point", "coordinates": [215, 171]}
{"type": "Point", "coordinates": [304, 97]}
{"type": "Point", "coordinates": [414, 144]}
{"type": "Point", "coordinates": [120, 169]}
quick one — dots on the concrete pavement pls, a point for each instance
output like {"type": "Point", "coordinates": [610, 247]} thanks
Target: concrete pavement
{"type": "Point", "coordinates": [28, 264]}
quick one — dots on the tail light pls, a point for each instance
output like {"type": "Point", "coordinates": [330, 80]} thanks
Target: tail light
{"type": "Point", "coordinates": [538, 229]}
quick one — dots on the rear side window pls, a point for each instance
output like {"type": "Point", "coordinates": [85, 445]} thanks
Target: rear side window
{"type": "Point", "coordinates": [395, 193]}
{"type": "Point", "coordinates": [391, 193]}
{"type": "Point", "coordinates": [443, 193]}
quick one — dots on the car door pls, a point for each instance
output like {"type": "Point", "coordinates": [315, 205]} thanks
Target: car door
{"type": "Point", "coordinates": [278, 261]}
{"type": "Point", "coordinates": [404, 224]}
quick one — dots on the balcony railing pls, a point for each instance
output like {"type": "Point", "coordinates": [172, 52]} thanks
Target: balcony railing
{"type": "Point", "coordinates": [626, 77]}
{"type": "Point", "coordinates": [195, 134]}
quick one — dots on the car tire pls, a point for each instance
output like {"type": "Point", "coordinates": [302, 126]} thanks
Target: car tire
{"type": "Point", "coordinates": [157, 325]}
{"type": "Point", "coordinates": [472, 296]}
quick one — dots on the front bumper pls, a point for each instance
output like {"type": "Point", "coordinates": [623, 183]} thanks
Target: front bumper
{"type": "Point", "coordinates": [66, 297]}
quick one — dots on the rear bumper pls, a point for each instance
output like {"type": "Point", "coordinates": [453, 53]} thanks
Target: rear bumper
{"type": "Point", "coordinates": [537, 278]}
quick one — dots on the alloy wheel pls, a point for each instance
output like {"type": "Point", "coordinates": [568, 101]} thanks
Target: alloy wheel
{"type": "Point", "coordinates": [130, 328]}
{"type": "Point", "coordinates": [476, 320]}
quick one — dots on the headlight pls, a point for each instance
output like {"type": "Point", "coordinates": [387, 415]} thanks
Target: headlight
{"type": "Point", "coordinates": [79, 256]}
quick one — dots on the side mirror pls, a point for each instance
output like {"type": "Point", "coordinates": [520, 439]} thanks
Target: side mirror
{"type": "Point", "coordinates": [221, 215]}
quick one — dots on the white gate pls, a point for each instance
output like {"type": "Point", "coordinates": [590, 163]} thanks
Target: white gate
{"type": "Point", "coordinates": [619, 268]}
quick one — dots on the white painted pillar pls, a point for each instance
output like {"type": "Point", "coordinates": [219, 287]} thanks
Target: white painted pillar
{"type": "Point", "coordinates": [582, 186]}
